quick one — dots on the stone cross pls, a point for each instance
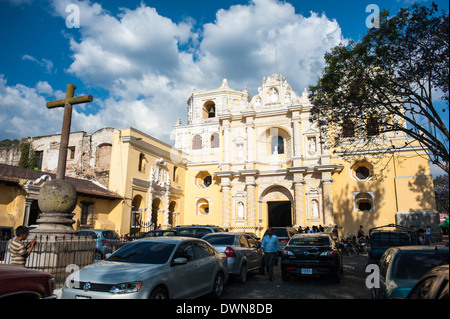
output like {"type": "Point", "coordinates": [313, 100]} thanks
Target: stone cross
{"type": "Point", "coordinates": [65, 133]}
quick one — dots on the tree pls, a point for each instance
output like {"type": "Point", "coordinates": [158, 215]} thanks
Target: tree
{"type": "Point", "coordinates": [441, 193]}
{"type": "Point", "coordinates": [390, 81]}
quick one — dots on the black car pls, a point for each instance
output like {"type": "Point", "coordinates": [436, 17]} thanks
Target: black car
{"type": "Point", "coordinates": [311, 254]}
{"type": "Point", "coordinates": [433, 285]}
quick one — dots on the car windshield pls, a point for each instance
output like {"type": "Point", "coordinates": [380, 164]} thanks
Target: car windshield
{"type": "Point", "coordinates": [310, 241]}
{"type": "Point", "coordinates": [224, 239]}
{"type": "Point", "coordinates": [415, 264]}
{"type": "Point", "coordinates": [144, 252]}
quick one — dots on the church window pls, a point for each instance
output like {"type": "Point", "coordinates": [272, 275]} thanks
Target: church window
{"type": "Point", "coordinates": [203, 180]}
{"type": "Point", "coordinates": [348, 129]}
{"type": "Point", "coordinates": [364, 201]}
{"type": "Point", "coordinates": [277, 145]}
{"type": "Point", "coordinates": [141, 162]}
{"type": "Point", "coordinates": [197, 142]}
{"type": "Point", "coordinates": [209, 110]}
{"type": "Point", "coordinates": [215, 140]}
{"type": "Point", "coordinates": [202, 206]}
{"type": "Point", "coordinates": [362, 171]}
{"type": "Point", "coordinates": [373, 126]}
{"type": "Point", "coordinates": [71, 152]}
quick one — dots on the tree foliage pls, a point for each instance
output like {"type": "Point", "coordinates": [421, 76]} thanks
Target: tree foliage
{"type": "Point", "coordinates": [391, 81]}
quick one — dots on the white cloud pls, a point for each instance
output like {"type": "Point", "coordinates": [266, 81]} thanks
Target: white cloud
{"type": "Point", "coordinates": [44, 63]}
{"type": "Point", "coordinates": [23, 111]}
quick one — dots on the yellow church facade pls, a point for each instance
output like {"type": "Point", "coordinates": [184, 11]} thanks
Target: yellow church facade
{"type": "Point", "coordinates": [254, 162]}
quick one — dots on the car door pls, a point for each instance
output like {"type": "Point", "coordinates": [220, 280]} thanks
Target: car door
{"type": "Point", "coordinates": [184, 277]}
{"type": "Point", "coordinates": [254, 256]}
{"type": "Point", "coordinates": [206, 266]}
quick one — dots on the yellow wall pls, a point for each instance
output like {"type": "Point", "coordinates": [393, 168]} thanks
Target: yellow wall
{"type": "Point", "coordinates": [400, 183]}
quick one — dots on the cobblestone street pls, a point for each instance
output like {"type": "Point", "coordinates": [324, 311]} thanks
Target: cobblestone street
{"type": "Point", "coordinates": [352, 285]}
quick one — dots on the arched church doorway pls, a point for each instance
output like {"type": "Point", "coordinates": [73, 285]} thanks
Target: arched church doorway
{"type": "Point", "coordinates": [276, 206]}
{"type": "Point", "coordinates": [280, 213]}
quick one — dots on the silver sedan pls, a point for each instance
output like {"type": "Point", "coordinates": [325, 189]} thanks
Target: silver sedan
{"type": "Point", "coordinates": [243, 252]}
{"type": "Point", "coordinates": [155, 268]}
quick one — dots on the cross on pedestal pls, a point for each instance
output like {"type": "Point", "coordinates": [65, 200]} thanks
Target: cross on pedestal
{"type": "Point", "coordinates": [65, 132]}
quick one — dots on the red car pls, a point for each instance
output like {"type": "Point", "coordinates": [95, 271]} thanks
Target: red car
{"type": "Point", "coordinates": [20, 282]}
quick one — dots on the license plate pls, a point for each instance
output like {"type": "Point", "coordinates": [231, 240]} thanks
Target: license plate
{"type": "Point", "coordinates": [306, 271]}
{"type": "Point", "coordinates": [82, 297]}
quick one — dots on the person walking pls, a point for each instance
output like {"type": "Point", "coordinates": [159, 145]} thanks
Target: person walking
{"type": "Point", "coordinates": [428, 236]}
{"type": "Point", "coordinates": [17, 248]}
{"type": "Point", "coordinates": [271, 247]}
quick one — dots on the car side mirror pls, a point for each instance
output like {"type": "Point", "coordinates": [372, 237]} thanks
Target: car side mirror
{"type": "Point", "coordinates": [179, 261]}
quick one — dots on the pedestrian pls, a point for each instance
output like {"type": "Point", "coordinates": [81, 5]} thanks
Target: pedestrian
{"type": "Point", "coordinates": [428, 236]}
{"type": "Point", "coordinates": [360, 232]}
{"type": "Point", "coordinates": [300, 230]}
{"type": "Point", "coordinates": [17, 248]}
{"type": "Point", "coordinates": [271, 247]}
{"type": "Point", "coordinates": [335, 231]}
{"type": "Point", "coordinates": [321, 229]}
{"type": "Point", "coordinates": [421, 238]}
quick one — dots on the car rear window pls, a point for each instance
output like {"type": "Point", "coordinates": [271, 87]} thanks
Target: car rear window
{"type": "Point", "coordinates": [415, 264]}
{"type": "Point", "coordinates": [310, 241]}
{"type": "Point", "coordinates": [219, 239]}
{"type": "Point", "coordinates": [279, 232]}
{"type": "Point", "coordinates": [144, 252]}
{"type": "Point", "coordinates": [390, 238]}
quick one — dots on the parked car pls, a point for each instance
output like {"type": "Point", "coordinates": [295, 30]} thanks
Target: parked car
{"type": "Point", "coordinates": [401, 268]}
{"type": "Point", "coordinates": [243, 252]}
{"type": "Point", "coordinates": [20, 282]}
{"type": "Point", "coordinates": [433, 285]}
{"type": "Point", "coordinates": [383, 237]}
{"type": "Point", "coordinates": [311, 254]}
{"type": "Point", "coordinates": [196, 231]}
{"type": "Point", "coordinates": [155, 268]}
{"type": "Point", "coordinates": [107, 241]}
{"type": "Point", "coordinates": [284, 234]}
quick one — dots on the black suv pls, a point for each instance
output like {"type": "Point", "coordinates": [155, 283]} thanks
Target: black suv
{"type": "Point", "coordinates": [196, 231]}
{"type": "Point", "coordinates": [311, 254]}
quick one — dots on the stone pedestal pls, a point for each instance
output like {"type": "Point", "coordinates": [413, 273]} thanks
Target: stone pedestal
{"type": "Point", "coordinates": [57, 199]}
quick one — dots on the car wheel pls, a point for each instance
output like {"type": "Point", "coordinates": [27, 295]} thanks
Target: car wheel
{"type": "Point", "coordinates": [285, 276]}
{"type": "Point", "coordinates": [218, 285]}
{"type": "Point", "coordinates": [242, 277]}
{"type": "Point", "coordinates": [375, 293]}
{"type": "Point", "coordinates": [337, 277]}
{"type": "Point", "coordinates": [159, 293]}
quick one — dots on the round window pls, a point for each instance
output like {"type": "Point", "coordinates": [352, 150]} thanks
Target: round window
{"type": "Point", "coordinates": [362, 172]}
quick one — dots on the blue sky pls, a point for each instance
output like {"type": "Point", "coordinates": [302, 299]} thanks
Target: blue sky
{"type": "Point", "coordinates": [141, 60]}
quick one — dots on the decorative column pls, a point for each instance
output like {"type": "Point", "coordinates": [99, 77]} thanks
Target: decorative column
{"type": "Point", "coordinates": [166, 203]}
{"type": "Point", "coordinates": [299, 193]}
{"type": "Point", "coordinates": [251, 208]}
{"type": "Point", "coordinates": [327, 191]}
{"type": "Point", "coordinates": [226, 208]}
{"type": "Point", "coordinates": [250, 144]}
{"type": "Point", "coordinates": [226, 143]}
